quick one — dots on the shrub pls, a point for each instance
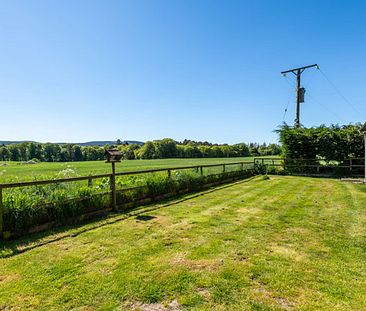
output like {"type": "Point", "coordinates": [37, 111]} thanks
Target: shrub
{"type": "Point", "coordinates": [329, 143]}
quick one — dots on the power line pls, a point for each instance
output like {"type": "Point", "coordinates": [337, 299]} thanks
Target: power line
{"type": "Point", "coordinates": [324, 106]}
{"type": "Point", "coordinates": [284, 115]}
{"type": "Point", "coordinates": [293, 87]}
{"type": "Point", "coordinates": [307, 81]}
{"type": "Point", "coordinates": [340, 93]}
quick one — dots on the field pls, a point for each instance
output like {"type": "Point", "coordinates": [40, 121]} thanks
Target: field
{"type": "Point", "coordinates": [283, 243]}
{"type": "Point", "coordinates": [14, 171]}
{"type": "Point", "coordinates": [27, 208]}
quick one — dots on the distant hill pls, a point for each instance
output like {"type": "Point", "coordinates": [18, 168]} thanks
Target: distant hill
{"type": "Point", "coordinates": [89, 143]}
{"type": "Point", "coordinates": [109, 142]}
{"type": "Point", "coordinates": [9, 142]}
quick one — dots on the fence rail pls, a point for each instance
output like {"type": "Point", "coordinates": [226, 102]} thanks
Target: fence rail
{"type": "Point", "coordinates": [354, 167]}
{"type": "Point", "coordinates": [112, 192]}
{"type": "Point", "coordinates": [90, 177]}
{"type": "Point", "coordinates": [106, 198]}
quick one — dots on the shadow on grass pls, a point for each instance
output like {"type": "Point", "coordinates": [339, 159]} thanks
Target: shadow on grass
{"type": "Point", "coordinates": [22, 245]}
{"type": "Point", "coordinates": [319, 175]}
{"type": "Point", "coordinates": [144, 217]}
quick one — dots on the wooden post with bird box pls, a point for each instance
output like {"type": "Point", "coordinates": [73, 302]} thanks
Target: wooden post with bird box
{"type": "Point", "coordinates": [112, 156]}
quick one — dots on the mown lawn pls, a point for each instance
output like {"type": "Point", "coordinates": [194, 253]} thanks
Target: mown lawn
{"type": "Point", "coordinates": [16, 171]}
{"type": "Point", "coordinates": [283, 243]}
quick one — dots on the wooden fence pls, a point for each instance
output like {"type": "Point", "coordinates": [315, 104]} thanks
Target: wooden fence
{"type": "Point", "coordinates": [260, 165]}
{"type": "Point", "coordinates": [354, 167]}
{"type": "Point", "coordinates": [224, 167]}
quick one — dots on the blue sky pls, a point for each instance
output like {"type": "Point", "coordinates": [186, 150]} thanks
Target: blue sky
{"type": "Point", "coordinates": [205, 70]}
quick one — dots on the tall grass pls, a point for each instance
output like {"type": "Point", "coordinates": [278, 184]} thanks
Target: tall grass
{"type": "Point", "coordinates": [62, 203]}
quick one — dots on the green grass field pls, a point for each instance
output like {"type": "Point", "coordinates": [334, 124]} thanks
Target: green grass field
{"type": "Point", "coordinates": [287, 243]}
{"type": "Point", "coordinates": [21, 172]}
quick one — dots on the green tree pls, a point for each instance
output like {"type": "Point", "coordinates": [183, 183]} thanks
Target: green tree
{"type": "Point", "coordinates": [147, 151]}
{"type": "Point", "coordinates": [23, 151]}
{"type": "Point", "coordinates": [32, 151]}
{"type": "Point", "coordinates": [77, 153]}
{"type": "Point", "coordinates": [14, 152]}
{"type": "Point", "coordinates": [166, 148]}
{"type": "Point", "coordinates": [49, 152]}
{"type": "Point", "coordinates": [4, 153]}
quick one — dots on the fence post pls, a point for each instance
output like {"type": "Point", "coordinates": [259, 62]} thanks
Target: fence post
{"type": "Point", "coordinates": [169, 174]}
{"type": "Point", "coordinates": [90, 182]}
{"type": "Point", "coordinates": [223, 168]}
{"type": "Point", "coordinates": [113, 188]}
{"type": "Point", "coordinates": [201, 170]}
{"type": "Point", "coordinates": [1, 213]}
{"type": "Point", "coordinates": [350, 165]}
{"type": "Point", "coordinates": [242, 166]}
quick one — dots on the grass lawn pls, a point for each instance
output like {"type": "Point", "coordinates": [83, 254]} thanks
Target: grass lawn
{"type": "Point", "coordinates": [21, 172]}
{"type": "Point", "coordinates": [278, 244]}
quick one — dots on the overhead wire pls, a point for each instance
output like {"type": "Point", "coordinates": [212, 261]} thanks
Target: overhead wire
{"type": "Point", "coordinates": [324, 106]}
{"type": "Point", "coordinates": [307, 82]}
{"type": "Point", "coordinates": [293, 85]}
{"type": "Point", "coordinates": [284, 115]}
{"type": "Point", "coordinates": [287, 79]}
{"type": "Point", "coordinates": [340, 93]}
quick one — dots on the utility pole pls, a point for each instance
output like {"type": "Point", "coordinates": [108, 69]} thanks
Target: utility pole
{"type": "Point", "coordinates": [299, 91]}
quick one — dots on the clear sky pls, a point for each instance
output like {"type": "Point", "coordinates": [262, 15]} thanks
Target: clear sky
{"type": "Point", "coordinates": [206, 70]}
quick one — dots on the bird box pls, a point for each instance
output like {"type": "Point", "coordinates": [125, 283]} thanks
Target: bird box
{"type": "Point", "coordinates": [112, 155]}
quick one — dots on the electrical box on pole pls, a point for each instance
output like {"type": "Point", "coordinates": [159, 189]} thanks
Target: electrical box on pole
{"type": "Point", "coordinates": [302, 95]}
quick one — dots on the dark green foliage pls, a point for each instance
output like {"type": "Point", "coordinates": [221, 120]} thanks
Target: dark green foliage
{"type": "Point", "coordinates": [50, 152]}
{"type": "Point", "coordinates": [327, 143]}
{"type": "Point", "coordinates": [166, 148]}
{"type": "Point", "coordinates": [147, 151]}
{"type": "Point", "coordinates": [62, 203]}
{"type": "Point", "coordinates": [157, 149]}
{"type": "Point", "coordinates": [260, 168]}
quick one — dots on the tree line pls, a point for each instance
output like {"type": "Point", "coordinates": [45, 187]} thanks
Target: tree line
{"type": "Point", "coordinates": [157, 149]}
{"type": "Point", "coordinates": [334, 142]}
{"type": "Point", "coordinates": [50, 152]}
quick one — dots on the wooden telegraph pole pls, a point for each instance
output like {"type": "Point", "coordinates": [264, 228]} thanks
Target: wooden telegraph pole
{"type": "Point", "coordinates": [300, 92]}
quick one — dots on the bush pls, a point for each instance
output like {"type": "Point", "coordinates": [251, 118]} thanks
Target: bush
{"type": "Point", "coordinates": [327, 143]}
